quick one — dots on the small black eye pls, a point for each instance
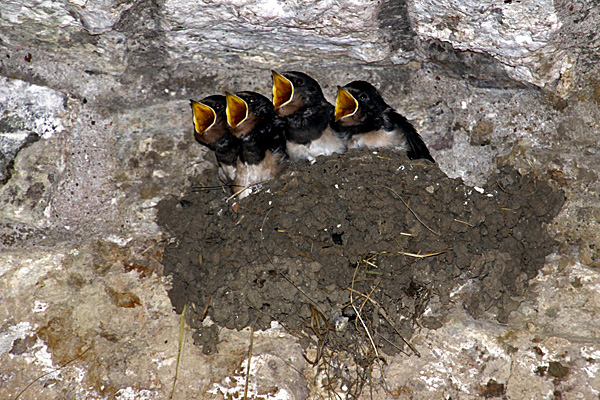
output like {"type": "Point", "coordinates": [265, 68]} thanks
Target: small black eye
{"type": "Point", "coordinates": [363, 96]}
{"type": "Point", "coordinates": [250, 99]}
{"type": "Point", "coordinates": [218, 106]}
{"type": "Point", "coordinates": [299, 82]}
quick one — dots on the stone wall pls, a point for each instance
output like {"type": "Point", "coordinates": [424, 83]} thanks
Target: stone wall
{"type": "Point", "coordinates": [95, 130]}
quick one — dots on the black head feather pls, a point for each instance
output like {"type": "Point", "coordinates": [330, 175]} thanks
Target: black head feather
{"type": "Point", "coordinates": [305, 86]}
{"type": "Point", "coordinates": [262, 130]}
{"type": "Point", "coordinates": [308, 113]}
{"type": "Point", "coordinates": [368, 116]}
{"type": "Point", "coordinates": [217, 102]}
{"type": "Point", "coordinates": [218, 137]}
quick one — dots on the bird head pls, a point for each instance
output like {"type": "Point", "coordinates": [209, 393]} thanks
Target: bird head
{"type": "Point", "coordinates": [293, 90]}
{"type": "Point", "coordinates": [245, 110]}
{"type": "Point", "coordinates": [357, 102]}
{"type": "Point", "coordinates": [209, 118]}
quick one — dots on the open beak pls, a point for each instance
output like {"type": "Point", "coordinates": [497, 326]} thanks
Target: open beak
{"type": "Point", "coordinates": [345, 104]}
{"type": "Point", "coordinates": [283, 90]}
{"type": "Point", "coordinates": [237, 110]}
{"type": "Point", "coordinates": [204, 116]}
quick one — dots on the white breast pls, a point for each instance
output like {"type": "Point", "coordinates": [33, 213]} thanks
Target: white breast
{"type": "Point", "coordinates": [247, 174]}
{"type": "Point", "coordinates": [380, 138]}
{"type": "Point", "coordinates": [227, 172]}
{"type": "Point", "coordinates": [326, 145]}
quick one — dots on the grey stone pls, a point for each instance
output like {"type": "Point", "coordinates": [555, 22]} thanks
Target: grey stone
{"type": "Point", "coordinates": [95, 130]}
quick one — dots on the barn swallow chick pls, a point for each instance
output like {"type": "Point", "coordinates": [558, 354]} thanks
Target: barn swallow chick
{"type": "Point", "coordinates": [211, 130]}
{"type": "Point", "coordinates": [299, 100]}
{"type": "Point", "coordinates": [262, 133]}
{"type": "Point", "coordinates": [363, 115]}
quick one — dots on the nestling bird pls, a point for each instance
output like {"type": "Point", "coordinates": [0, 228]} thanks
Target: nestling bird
{"type": "Point", "coordinates": [211, 130]}
{"type": "Point", "coordinates": [299, 100]}
{"type": "Point", "coordinates": [262, 134]}
{"type": "Point", "coordinates": [363, 115]}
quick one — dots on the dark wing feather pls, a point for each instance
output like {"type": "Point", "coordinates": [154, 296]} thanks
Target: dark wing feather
{"type": "Point", "coordinates": [416, 147]}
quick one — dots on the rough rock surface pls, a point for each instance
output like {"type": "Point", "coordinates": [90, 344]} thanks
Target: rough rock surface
{"type": "Point", "coordinates": [95, 132]}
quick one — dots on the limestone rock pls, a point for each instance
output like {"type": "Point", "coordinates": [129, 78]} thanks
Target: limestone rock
{"type": "Point", "coordinates": [95, 129]}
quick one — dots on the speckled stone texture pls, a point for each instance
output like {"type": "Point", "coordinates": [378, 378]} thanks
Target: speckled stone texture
{"type": "Point", "coordinates": [95, 130]}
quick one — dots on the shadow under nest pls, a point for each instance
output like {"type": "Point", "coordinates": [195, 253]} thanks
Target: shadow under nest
{"type": "Point", "coordinates": [346, 253]}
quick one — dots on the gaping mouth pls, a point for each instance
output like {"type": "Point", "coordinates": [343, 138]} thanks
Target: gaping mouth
{"type": "Point", "coordinates": [237, 110]}
{"type": "Point", "coordinates": [204, 116]}
{"type": "Point", "coordinates": [283, 90]}
{"type": "Point", "coordinates": [345, 104]}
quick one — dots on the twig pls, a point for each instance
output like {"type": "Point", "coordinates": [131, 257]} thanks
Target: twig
{"type": "Point", "coordinates": [463, 222]}
{"type": "Point", "coordinates": [411, 210]}
{"type": "Point", "coordinates": [370, 263]}
{"type": "Point", "coordinates": [149, 248]}
{"type": "Point", "coordinates": [206, 308]}
{"type": "Point", "coordinates": [371, 380]}
{"type": "Point", "coordinates": [371, 272]}
{"type": "Point", "coordinates": [358, 314]}
{"type": "Point", "coordinates": [244, 188]}
{"type": "Point", "coordinates": [315, 324]}
{"type": "Point", "coordinates": [506, 208]}
{"type": "Point", "coordinates": [384, 315]}
{"type": "Point", "coordinates": [502, 188]}
{"type": "Point", "coordinates": [197, 188]}
{"type": "Point", "coordinates": [263, 223]}
{"type": "Point", "coordinates": [249, 358]}
{"type": "Point", "coordinates": [421, 255]}
{"type": "Point", "coordinates": [297, 287]}
{"type": "Point", "coordinates": [316, 315]}
{"type": "Point", "coordinates": [394, 345]}
{"type": "Point", "coordinates": [368, 297]}
{"type": "Point", "coordinates": [181, 340]}
{"type": "Point", "coordinates": [50, 372]}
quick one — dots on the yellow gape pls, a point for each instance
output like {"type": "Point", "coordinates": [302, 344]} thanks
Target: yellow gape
{"type": "Point", "coordinates": [237, 110]}
{"type": "Point", "coordinates": [204, 117]}
{"type": "Point", "coordinates": [345, 104]}
{"type": "Point", "coordinates": [283, 90]}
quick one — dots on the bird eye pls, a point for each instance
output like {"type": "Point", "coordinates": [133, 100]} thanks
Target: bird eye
{"type": "Point", "coordinates": [363, 96]}
{"type": "Point", "coordinates": [299, 82]}
{"type": "Point", "coordinates": [250, 99]}
{"type": "Point", "coordinates": [218, 106]}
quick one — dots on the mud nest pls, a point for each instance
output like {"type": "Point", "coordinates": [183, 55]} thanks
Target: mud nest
{"type": "Point", "coordinates": [358, 241]}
